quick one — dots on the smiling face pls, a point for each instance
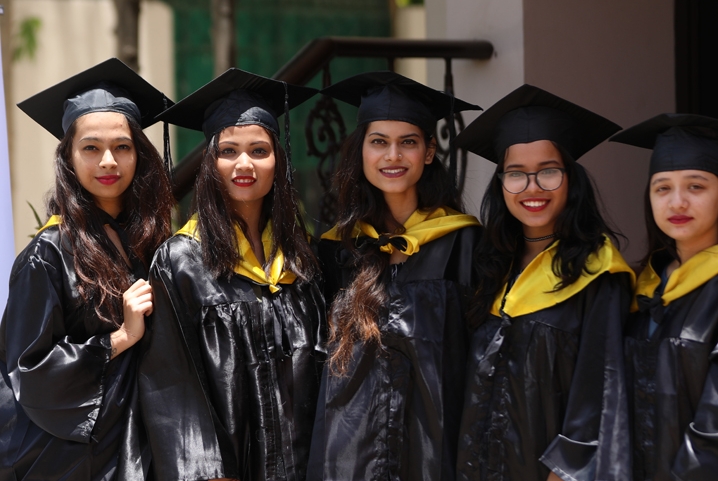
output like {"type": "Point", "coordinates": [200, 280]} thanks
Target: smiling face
{"type": "Point", "coordinates": [246, 164]}
{"type": "Point", "coordinates": [685, 207]}
{"type": "Point", "coordinates": [535, 208]}
{"type": "Point", "coordinates": [394, 154]}
{"type": "Point", "coordinates": [104, 158]}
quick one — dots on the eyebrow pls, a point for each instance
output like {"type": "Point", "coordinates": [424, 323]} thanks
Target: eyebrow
{"type": "Point", "coordinates": [692, 176]}
{"type": "Point", "coordinates": [97, 139]}
{"type": "Point", "coordinates": [234, 143]}
{"type": "Point", "coordinates": [541, 164]}
{"type": "Point", "coordinates": [412, 134]}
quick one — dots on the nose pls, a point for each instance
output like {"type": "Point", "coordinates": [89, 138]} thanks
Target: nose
{"type": "Point", "coordinates": [679, 200]}
{"type": "Point", "coordinates": [108, 160]}
{"type": "Point", "coordinates": [533, 184]}
{"type": "Point", "coordinates": [244, 162]}
{"type": "Point", "coordinates": [393, 152]}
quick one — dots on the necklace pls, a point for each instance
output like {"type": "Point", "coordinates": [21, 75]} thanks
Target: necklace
{"type": "Point", "coordinates": [539, 239]}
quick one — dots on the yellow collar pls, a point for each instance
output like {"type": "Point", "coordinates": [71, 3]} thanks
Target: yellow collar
{"type": "Point", "coordinates": [249, 266]}
{"type": "Point", "coordinates": [532, 290]}
{"type": "Point", "coordinates": [420, 228]}
{"type": "Point", "coordinates": [53, 220]}
{"type": "Point", "coordinates": [698, 270]}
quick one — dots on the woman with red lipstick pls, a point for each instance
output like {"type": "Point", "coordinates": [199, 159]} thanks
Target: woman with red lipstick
{"type": "Point", "coordinates": [671, 343]}
{"type": "Point", "coordinates": [229, 381]}
{"type": "Point", "coordinates": [78, 292]}
{"type": "Point", "coordinates": [397, 267]}
{"type": "Point", "coordinates": [545, 396]}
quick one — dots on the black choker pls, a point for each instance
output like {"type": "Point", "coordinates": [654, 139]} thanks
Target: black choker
{"type": "Point", "coordinates": [539, 239]}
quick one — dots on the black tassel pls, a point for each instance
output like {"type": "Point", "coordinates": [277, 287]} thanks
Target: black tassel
{"type": "Point", "coordinates": [452, 148]}
{"type": "Point", "coordinates": [166, 139]}
{"type": "Point", "coordinates": [287, 143]}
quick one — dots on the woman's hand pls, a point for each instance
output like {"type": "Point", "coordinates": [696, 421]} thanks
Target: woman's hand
{"type": "Point", "coordinates": [137, 303]}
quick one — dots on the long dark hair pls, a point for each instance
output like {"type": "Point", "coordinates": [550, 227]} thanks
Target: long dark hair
{"type": "Point", "coordinates": [216, 219]}
{"type": "Point", "coordinates": [102, 274]}
{"type": "Point", "coordinates": [580, 228]}
{"type": "Point", "coordinates": [356, 309]}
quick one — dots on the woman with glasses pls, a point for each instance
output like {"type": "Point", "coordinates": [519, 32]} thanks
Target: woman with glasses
{"type": "Point", "coordinates": [545, 396]}
{"type": "Point", "coordinates": [670, 345]}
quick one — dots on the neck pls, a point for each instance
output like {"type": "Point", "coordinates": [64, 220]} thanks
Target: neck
{"type": "Point", "coordinates": [113, 208]}
{"type": "Point", "coordinates": [402, 205]}
{"type": "Point", "coordinates": [251, 213]}
{"type": "Point", "coordinates": [687, 249]}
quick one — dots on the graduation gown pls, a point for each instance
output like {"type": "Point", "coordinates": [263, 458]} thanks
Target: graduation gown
{"type": "Point", "coordinates": [395, 415]}
{"type": "Point", "coordinates": [673, 373]}
{"type": "Point", "coordinates": [545, 378]}
{"type": "Point", "coordinates": [229, 375]}
{"type": "Point", "coordinates": [62, 400]}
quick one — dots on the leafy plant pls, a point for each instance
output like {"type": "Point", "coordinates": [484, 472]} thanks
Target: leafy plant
{"type": "Point", "coordinates": [26, 39]}
{"type": "Point", "coordinates": [40, 224]}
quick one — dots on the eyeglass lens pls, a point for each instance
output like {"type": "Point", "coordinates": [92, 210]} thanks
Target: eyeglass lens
{"type": "Point", "coordinates": [516, 181]}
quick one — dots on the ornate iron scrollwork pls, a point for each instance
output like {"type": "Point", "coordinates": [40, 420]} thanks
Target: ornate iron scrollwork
{"type": "Point", "coordinates": [443, 148]}
{"type": "Point", "coordinates": [325, 131]}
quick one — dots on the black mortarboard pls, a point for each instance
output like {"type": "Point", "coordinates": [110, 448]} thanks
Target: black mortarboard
{"type": "Point", "coordinates": [390, 96]}
{"type": "Point", "coordinates": [239, 98]}
{"type": "Point", "coordinates": [236, 98]}
{"type": "Point", "coordinates": [110, 86]}
{"type": "Point", "coordinates": [529, 114]}
{"type": "Point", "coordinates": [679, 142]}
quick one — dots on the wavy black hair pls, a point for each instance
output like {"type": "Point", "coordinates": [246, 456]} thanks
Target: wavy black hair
{"type": "Point", "coordinates": [356, 309]}
{"type": "Point", "coordinates": [580, 228]}
{"type": "Point", "coordinates": [216, 218]}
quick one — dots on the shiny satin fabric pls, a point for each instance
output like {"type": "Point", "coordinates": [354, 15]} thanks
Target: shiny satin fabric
{"type": "Point", "coordinates": [554, 398]}
{"type": "Point", "coordinates": [395, 415]}
{"type": "Point", "coordinates": [229, 376]}
{"type": "Point", "coordinates": [62, 400]}
{"type": "Point", "coordinates": [673, 385]}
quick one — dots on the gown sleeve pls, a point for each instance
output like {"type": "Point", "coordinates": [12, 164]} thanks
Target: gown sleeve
{"type": "Point", "coordinates": [57, 380]}
{"type": "Point", "coordinates": [697, 458]}
{"type": "Point", "coordinates": [595, 441]}
{"type": "Point", "coordinates": [182, 428]}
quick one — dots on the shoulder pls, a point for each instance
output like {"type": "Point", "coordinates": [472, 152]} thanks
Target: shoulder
{"type": "Point", "coordinates": [177, 250]}
{"type": "Point", "coordinates": [47, 248]}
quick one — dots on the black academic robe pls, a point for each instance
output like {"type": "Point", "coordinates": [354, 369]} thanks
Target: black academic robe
{"type": "Point", "coordinates": [395, 415]}
{"type": "Point", "coordinates": [673, 385]}
{"type": "Point", "coordinates": [229, 376]}
{"type": "Point", "coordinates": [556, 395]}
{"type": "Point", "coordinates": [62, 400]}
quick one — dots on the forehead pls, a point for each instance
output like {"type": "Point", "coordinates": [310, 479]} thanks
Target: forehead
{"type": "Point", "coordinates": [102, 124]}
{"type": "Point", "coordinates": [533, 154]}
{"type": "Point", "coordinates": [393, 128]}
{"type": "Point", "coordinates": [244, 133]}
{"type": "Point", "coordinates": [679, 175]}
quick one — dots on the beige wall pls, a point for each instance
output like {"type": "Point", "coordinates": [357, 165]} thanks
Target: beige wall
{"type": "Point", "coordinates": [74, 35]}
{"type": "Point", "coordinates": [479, 82]}
{"type": "Point", "coordinates": [611, 56]}
{"type": "Point", "coordinates": [410, 22]}
{"type": "Point", "coordinates": [615, 58]}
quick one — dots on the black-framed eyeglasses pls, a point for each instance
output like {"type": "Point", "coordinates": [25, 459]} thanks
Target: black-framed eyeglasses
{"type": "Point", "coordinates": [515, 181]}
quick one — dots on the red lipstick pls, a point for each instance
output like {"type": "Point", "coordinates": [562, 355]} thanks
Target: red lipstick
{"type": "Point", "coordinates": [108, 179]}
{"type": "Point", "coordinates": [680, 219]}
{"type": "Point", "coordinates": [244, 181]}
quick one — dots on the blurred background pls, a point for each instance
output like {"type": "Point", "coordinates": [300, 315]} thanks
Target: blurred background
{"type": "Point", "coordinates": [625, 60]}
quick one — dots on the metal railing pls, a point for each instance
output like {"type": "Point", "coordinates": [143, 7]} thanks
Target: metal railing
{"type": "Point", "coordinates": [325, 123]}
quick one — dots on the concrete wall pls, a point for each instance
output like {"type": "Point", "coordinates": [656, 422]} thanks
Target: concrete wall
{"type": "Point", "coordinates": [611, 56]}
{"type": "Point", "coordinates": [74, 35]}
{"type": "Point", "coordinates": [615, 58]}
{"type": "Point", "coordinates": [479, 82]}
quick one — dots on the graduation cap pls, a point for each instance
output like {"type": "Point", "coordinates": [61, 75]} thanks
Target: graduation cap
{"type": "Point", "coordinates": [110, 86]}
{"type": "Point", "coordinates": [679, 142]}
{"type": "Point", "coordinates": [529, 114]}
{"type": "Point", "coordinates": [239, 98]}
{"type": "Point", "coordinates": [389, 96]}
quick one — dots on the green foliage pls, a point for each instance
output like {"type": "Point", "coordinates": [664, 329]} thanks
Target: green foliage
{"type": "Point", "coordinates": [37, 219]}
{"type": "Point", "coordinates": [26, 39]}
{"type": "Point", "coordinates": [406, 3]}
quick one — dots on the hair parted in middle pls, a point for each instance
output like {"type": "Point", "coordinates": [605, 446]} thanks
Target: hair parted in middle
{"type": "Point", "coordinates": [216, 219]}
{"type": "Point", "coordinates": [356, 310]}
{"type": "Point", "coordinates": [580, 228]}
